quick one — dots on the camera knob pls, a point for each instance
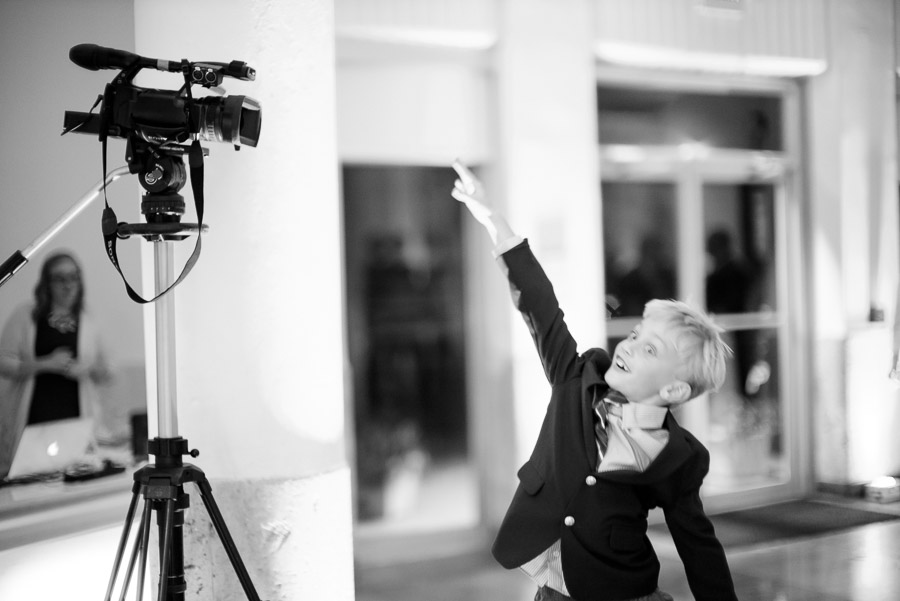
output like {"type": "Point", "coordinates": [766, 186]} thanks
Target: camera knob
{"type": "Point", "coordinates": [153, 177]}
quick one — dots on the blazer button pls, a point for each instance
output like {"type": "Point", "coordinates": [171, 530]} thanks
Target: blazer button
{"type": "Point", "coordinates": [569, 521]}
{"type": "Point", "coordinates": [590, 481]}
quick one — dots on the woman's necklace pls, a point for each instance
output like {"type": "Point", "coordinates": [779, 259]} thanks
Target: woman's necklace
{"type": "Point", "coordinates": [62, 321]}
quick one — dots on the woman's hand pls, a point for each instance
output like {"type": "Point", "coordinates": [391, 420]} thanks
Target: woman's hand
{"type": "Point", "coordinates": [100, 374]}
{"type": "Point", "coordinates": [60, 361]}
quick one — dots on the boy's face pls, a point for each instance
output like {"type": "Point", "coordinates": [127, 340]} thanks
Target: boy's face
{"type": "Point", "coordinates": [645, 363]}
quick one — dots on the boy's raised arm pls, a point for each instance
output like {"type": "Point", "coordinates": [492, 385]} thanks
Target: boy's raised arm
{"type": "Point", "coordinates": [532, 292]}
{"type": "Point", "coordinates": [470, 191]}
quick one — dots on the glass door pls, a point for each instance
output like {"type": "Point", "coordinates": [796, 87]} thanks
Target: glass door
{"type": "Point", "coordinates": [745, 429]}
{"type": "Point", "coordinates": [709, 225]}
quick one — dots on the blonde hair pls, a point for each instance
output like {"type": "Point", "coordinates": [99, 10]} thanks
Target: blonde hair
{"type": "Point", "coordinates": [697, 339]}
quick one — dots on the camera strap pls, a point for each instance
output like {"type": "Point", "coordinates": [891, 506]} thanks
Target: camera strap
{"type": "Point", "coordinates": [110, 224]}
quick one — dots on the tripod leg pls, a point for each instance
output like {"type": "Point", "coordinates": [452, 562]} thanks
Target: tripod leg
{"type": "Point", "coordinates": [165, 542]}
{"type": "Point", "coordinates": [138, 545]}
{"type": "Point", "coordinates": [123, 540]}
{"type": "Point", "coordinates": [145, 541]}
{"type": "Point", "coordinates": [222, 530]}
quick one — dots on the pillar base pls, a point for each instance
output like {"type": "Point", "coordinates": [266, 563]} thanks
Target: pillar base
{"type": "Point", "coordinates": [294, 536]}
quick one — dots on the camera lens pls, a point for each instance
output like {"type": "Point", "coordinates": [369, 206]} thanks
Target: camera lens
{"type": "Point", "coordinates": [232, 119]}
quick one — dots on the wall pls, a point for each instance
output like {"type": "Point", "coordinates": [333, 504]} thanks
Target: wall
{"type": "Point", "coordinates": [44, 174]}
{"type": "Point", "coordinates": [753, 37]}
{"type": "Point", "coordinates": [853, 245]}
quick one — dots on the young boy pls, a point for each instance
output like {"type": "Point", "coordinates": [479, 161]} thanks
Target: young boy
{"type": "Point", "coordinates": [609, 450]}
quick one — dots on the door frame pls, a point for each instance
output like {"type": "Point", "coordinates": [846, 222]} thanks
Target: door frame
{"type": "Point", "coordinates": [688, 167]}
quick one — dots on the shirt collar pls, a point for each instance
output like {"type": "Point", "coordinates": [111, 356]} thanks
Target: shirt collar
{"type": "Point", "coordinates": [637, 415]}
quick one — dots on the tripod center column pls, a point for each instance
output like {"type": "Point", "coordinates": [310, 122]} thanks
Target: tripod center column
{"type": "Point", "coordinates": [166, 392]}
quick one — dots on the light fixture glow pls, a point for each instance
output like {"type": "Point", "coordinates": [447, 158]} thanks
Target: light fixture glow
{"type": "Point", "coordinates": [883, 482]}
{"type": "Point", "coordinates": [640, 55]}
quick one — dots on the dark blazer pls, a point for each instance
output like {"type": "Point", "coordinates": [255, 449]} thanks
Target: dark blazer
{"type": "Point", "coordinates": [600, 518]}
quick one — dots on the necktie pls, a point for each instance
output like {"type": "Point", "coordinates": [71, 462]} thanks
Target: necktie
{"type": "Point", "coordinates": [628, 436]}
{"type": "Point", "coordinates": [601, 419]}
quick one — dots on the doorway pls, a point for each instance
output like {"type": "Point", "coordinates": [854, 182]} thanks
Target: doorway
{"type": "Point", "coordinates": [403, 260]}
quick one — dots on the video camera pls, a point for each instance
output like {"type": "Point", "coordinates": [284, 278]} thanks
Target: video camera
{"type": "Point", "coordinates": [155, 124]}
{"type": "Point", "coordinates": [166, 116]}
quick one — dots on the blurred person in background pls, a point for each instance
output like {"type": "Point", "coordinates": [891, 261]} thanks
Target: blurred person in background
{"type": "Point", "coordinates": [53, 364]}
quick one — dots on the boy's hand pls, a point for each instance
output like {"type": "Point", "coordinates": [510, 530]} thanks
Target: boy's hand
{"type": "Point", "coordinates": [469, 191]}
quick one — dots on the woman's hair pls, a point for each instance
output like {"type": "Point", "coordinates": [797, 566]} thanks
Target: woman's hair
{"type": "Point", "coordinates": [697, 340]}
{"type": "Point", "coordinates": [42, 294]}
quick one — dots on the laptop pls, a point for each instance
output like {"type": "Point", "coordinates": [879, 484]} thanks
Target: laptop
{"type": "Point", "coordinates": [51, 447]}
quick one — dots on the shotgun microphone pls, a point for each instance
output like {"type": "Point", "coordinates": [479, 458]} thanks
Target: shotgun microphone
{"type": "Point", "coordinates": [94, 58]}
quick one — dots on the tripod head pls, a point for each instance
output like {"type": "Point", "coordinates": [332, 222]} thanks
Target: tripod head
{"type": "Point", "coordinates": [162, 174]}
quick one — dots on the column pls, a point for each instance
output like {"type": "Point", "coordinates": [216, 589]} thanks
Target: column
{"type": "Point", "coordinates": [549, 175]}
{"type": "Point", "coordinates": [259, 334]}
{"type": "Point", "coordinates": [853, 246]}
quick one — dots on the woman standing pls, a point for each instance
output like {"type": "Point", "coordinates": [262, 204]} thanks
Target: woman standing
{"type": "Point", "coordinates": [51, 356]}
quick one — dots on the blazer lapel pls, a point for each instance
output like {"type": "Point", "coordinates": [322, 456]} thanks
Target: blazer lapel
{"type": "Point", "coordinates": [592, 383]}
{"type": "Point", "coordinates": [587, 430]}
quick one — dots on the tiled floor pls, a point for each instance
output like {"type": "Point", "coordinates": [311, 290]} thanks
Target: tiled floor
{"type": "Point", "coordinates": [862, 564]}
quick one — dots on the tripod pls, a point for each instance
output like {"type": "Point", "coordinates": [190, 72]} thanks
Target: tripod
{"type": "Point", "coordinates": [162, 484]}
